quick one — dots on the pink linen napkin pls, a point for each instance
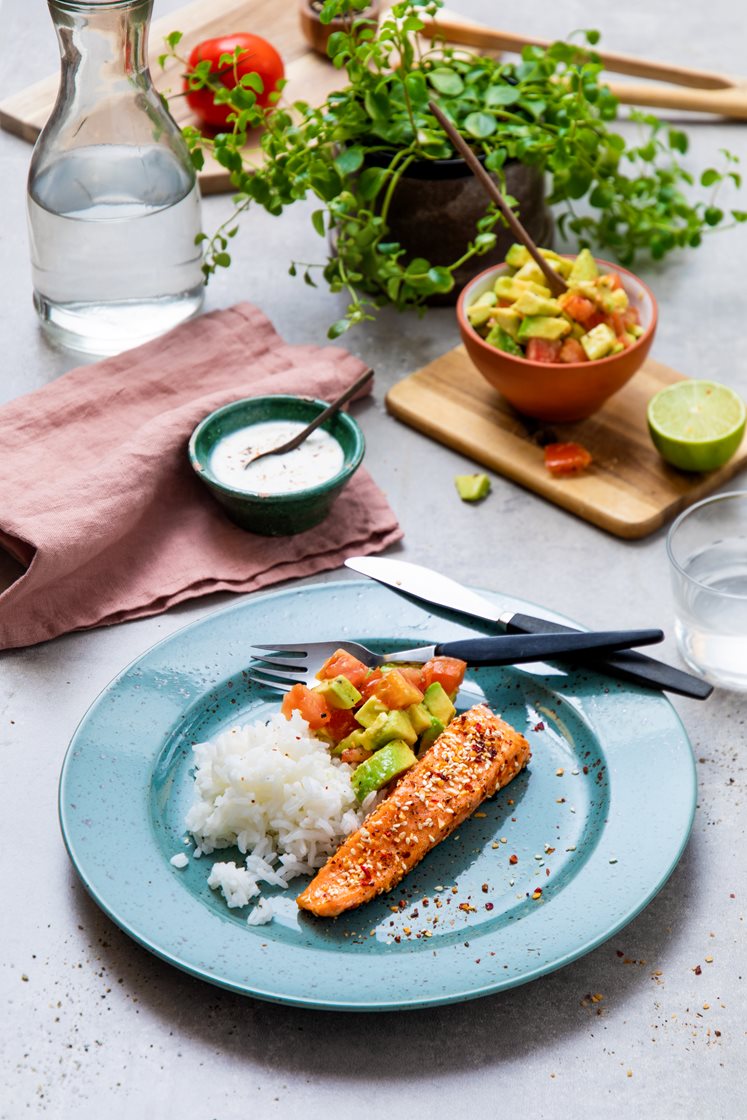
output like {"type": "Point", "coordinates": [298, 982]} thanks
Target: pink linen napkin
{"type": "Point", "coordinates": [99, 502]}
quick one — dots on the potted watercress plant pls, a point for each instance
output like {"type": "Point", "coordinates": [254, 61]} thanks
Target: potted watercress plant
{"type": "Point", "coordinates": [548, 112]}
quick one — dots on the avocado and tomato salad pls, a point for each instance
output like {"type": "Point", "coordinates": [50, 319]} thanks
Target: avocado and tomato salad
{"type": "Point", "coordinates": [378, 720]}
{"type": "Point", "coordinates": [591, 320]}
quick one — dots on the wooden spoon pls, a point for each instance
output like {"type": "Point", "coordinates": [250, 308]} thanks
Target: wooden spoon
{"type": "Point", "coordinates": [330, 410]}
{"type": "Point", "coordinates": [555, 283]}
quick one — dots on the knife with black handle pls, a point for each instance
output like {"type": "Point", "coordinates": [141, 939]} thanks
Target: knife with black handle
{"type": "Point", "coordinates": [432, 587]}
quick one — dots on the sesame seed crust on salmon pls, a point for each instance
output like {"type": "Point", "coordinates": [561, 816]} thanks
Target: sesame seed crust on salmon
{"type": "Point", "coordinates": [476, 755]}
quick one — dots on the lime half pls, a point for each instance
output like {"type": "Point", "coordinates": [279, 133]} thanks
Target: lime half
{"type": "Point", "coordinates": [696, 425]}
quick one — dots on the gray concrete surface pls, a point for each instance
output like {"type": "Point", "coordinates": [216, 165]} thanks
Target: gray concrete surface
{"type": "Point", "coordinates": [93, 1026]}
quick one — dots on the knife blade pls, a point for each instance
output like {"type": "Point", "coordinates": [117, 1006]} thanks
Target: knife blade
{"type": "Point", "coordinates": [439, 590]}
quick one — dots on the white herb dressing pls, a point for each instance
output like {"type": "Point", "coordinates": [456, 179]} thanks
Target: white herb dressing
{"type": "Point", "coordinates": [319, 458]}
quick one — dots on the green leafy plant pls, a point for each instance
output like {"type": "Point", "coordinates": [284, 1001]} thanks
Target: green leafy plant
{"type": "Point", "coordinates": [549, 110]}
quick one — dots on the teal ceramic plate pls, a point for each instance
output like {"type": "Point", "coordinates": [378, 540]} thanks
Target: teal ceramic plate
{"type": "Point", "coordinates": [597, 822]}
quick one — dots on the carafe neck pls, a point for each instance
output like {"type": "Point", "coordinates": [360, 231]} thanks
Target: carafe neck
{"type": "Point", "coordinates": [102, 44]}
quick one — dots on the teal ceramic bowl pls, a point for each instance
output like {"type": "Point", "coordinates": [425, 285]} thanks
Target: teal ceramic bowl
{"type": "Point", "coordinates": [275, 515]}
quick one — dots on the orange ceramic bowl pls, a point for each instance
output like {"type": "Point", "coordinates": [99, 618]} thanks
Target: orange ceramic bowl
{"type": "Point", "coordinates": [564, 391]}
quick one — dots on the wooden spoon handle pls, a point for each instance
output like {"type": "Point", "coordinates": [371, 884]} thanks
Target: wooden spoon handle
{"type": "Point", "coordinates": [457, 30]}
{"type": "Point", "coordinates": [725, 103]}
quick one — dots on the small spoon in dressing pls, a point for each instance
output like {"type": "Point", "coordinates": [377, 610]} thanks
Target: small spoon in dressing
{"type": "Point", "coordinates": [555, 282]}
{"type": "Point", "coordinates": [330, 410]}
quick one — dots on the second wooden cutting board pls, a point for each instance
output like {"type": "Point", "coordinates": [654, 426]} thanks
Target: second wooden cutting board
{"type": "Point", "coordinates": [310, 76]}
{"type": "Point", "coordinates": [628, 490]}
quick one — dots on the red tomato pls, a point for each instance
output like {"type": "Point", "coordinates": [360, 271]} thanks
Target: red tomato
{"type": "Point", "coordinates": [340, 723]}
{"type": "Point", "coordinates": [257, 57]}
{"type": "Point", "coordinates": [566, 458]}
{"type": "Point", "coordinates": [578, 307]}
{"type": "Point", "coordinates": [343, 664]}
{"type": "Point", "coordinates": [448, 671]}
{"type": "Point", "coordinates": [312, 706]}
{"type": "Point", "coordinates": [395, 691]}
{"type": "Point", "coordinates": [366, 689]}
{"type": "Point", "coordinates": [543, 350]}
{"type": "Point", "coordinates": [415, 676]}
{"type": "Point", "coordinates": [595, 319]}
{"type": "Point", "coordinates": [572, 351]}
{"type": "Point", "coordinates": [612, 281]}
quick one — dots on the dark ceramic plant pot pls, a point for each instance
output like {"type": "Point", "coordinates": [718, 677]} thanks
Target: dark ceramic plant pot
{"type": "Point", "coordinates": [436, 205]}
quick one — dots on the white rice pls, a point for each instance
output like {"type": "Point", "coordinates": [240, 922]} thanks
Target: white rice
{"type": "Point", "coordinates": [275, 792]}
{"type": "Point", "coordinates": [179, 860]}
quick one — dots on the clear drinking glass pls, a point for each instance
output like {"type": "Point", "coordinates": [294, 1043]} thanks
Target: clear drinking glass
{"type": "Point", "coordinates": [707, 547]}
{"type": "Point", "coordinates": [113, 201]}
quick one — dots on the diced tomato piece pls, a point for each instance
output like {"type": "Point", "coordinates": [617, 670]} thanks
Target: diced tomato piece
{"type": "Point", "coordinates": [543, 350]}
{"type": "Point", "coordinates": [341, 722]}
{"type": "Point", "coordinates": [504, 303]}
{"type": "Point", "coordinates": [395, 691]}
{"type": "Point", "coordinates": [566, 458]}
{"type": "Point", "coordinates": [625, 340]}
{"type": "Point", "coordinates": [613, 281]}
{"type": "Point", "coordinates": [448, 671]}
{"type": "Point", "coordinates": [631, 317]}
{"type": "Point", "coordinates": [312, 706]}
{"type": "Point", "coordinates": [355, 755]}
{"type": "Point", "coordinates": [414, 674]}
{"type": "Point", "coordinates": [595, 319]}
{"type": "Point", "coordinates": [343, 664]}
{"type": "Point", "coordinates": [578, 307]}
{"type": "Point", "coordinates": [617, 324]}
{"type": "Point", "coordinates": [366, 687]}
{"type": "Point", "coordinates": [572, 351]}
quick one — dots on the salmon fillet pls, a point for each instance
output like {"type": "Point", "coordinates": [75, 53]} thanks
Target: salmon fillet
{"type": "Point", "coordinates": [474, 756]}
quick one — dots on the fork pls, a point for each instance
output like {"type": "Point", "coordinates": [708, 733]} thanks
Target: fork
{"type": "Point", "coordinates": [283, 665]}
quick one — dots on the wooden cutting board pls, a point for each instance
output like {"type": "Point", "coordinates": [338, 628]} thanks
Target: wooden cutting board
{"type": "Point", "coordinates": [310, 77]}
{"type": "Point", "coordinates": [628, 490]}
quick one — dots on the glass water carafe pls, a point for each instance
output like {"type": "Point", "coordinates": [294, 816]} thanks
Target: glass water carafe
{"type": "Point", "coordinates": [113, 201]}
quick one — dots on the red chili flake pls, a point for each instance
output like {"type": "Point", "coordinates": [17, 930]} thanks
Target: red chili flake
{"type": "Point", "coordinates": [539, 726]}
{"type": "Point", "coordinates": [619, 952]}
{"type": "Point", "coordinates": [484, 888]}
{"type": "Point", "coordinates": [513, 859]}
{"type": "Point", "coordinates": [537, 893]}
{"type": "Point", "coordinates": [697, 970]}
{"type": "Point", "coordinates": [489, 906]}
{"type": "Point", "coordinates": [586, 769]}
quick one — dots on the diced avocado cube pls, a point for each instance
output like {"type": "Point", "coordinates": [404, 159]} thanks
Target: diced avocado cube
{"type": "Point", "coordinates": [517, 255]}
{"type": "Point", "coordinates": [370, 711]}
{"type": "Point", "coordinates": [584, 268]}
{"type": "Point", "coordinates": [612, 301]}
{"type": "Point", "coordinates": [487, 299]}
{"type": "Point", "coordinates": [508, 319]}
{"type": "Point", "coordinates": [437, 701]}
{"type": "Point", "coordinates": [578, 330]}
{"type": "Point", "coordinates": [478, 314]}
{"type": "Point", "coordinates": [429, 736]}
{"type": "Point", "coordinates": [505, 288]}
{"type": "Point", "coordinates": [636, 330]}
{"type": "Point", "coordinates": [340, 693]}
{"type": "Point", "coordinates": [358, 738]}
{"type": "Point", "coordinates": [531, 272]}
{"type": "Point", "coordinates": [391, 725]}
{"type": "Point", "coordinates": [529, 303]}
{"type": "Point", "coordinates": [392, 760]}
{"type": "Point", "coordinates": [419, 717]}
{"type": "Point", "coordinates": [472, 487]}
{"type": "Point", "coordinates": [543, 326]}
{"type": "Point", "coordinates": [598, 342]}
{"type": "Point", "coordinates": [499, 338]}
